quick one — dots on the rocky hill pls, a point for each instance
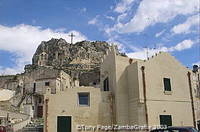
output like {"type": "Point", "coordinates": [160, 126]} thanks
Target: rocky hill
{"type": "Point", "coordinates": [81, 60]}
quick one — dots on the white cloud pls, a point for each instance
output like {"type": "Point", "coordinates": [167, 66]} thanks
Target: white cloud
{"type": "Point", "coordinates": [196, 63]}
{"type": "Point", "coordinates": [22, 40]}
{"type": "Point", "coordinates": [93, 21]}
{"type": "Point", "coordinates": [123, 6]}
{"type": "Point", "coordinates": [160, 33]}
{"type": "Point", "coordinates": [187, 25]}
{"type": "Point", "coordinates": [142, 54]}
{"type": "Point", "coordinates": [10, 71]}
{"type": "Point", "coordinates": [110, 17]}
{"type": "Point", "coordinates": [121, 17]}
{"type": "Point", "coordinates": [120, 46]}
{"type": "Point", "coordinates": [186, 44]}
{"type": "Point", "coordinates": [151, 12]}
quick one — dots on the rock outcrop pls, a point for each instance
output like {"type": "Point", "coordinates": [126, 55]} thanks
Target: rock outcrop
{"type": "Point", "coordinates": [80, 60]}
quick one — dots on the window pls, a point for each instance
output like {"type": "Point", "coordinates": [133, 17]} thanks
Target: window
{"type": "Point", "coordinates": [47, 83]}
{"type": "Point", "coordinates": [40, 100]}
{"type": "Point", "coordinates": [34, 87]}
{"type": "Point", "coordinates": [84, 99]}
{"type": "Point", "coordinates": [24, 91]}
{"type": "Point", "coordinates": [166, 120]}
{"type": "Point", "coordinates": [198, 125]}
{"type": "Point", "coordinates": [106, 84]}
{"type": "Point", "coordinates": [167, 84]}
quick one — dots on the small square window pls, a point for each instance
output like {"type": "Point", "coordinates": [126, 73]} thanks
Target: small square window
{"type": "Point", "coordinates": [167, 84]}
{"type": "Point", "coordinates": [84, 99]}
{"type": "Point", "coordinates": [47, 83]}
{"type": "Point", "coordinates": [166, 120]}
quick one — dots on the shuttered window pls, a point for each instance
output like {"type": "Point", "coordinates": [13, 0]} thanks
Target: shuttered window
{"type": "Point", "coordinates": [167, 84]}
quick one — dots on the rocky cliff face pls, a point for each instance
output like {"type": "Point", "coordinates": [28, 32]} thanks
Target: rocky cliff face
{"type": "Point", "coordinates": [81, 60]}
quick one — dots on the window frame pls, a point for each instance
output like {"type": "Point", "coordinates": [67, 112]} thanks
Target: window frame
{"type": "Point", "coordinates": [171, 119]}
{"type": "Point", "coordinates": [88, 100]}
{"type": "Point", "coordinates": [167, 84]}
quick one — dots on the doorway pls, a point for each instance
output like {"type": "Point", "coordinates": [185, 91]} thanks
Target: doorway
{"type": "Point", "coordinates": [40, 111]}
{"type": "Point", "coordinates": [64, 124]}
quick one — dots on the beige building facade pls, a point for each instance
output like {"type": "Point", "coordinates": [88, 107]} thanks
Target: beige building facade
{"type": "Point", "coordinates": [79, 116]}
{"type": "Point", "coordinates": [150, 92]}
{"type": "Point", "coordinates": [156, 91]}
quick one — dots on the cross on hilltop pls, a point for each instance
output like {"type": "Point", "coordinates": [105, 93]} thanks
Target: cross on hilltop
{"type": "Point", "coordinates": [72, 36]}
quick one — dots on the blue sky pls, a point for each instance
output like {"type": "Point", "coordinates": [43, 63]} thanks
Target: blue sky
{"type": "Point", "coordinates": [161, 25]}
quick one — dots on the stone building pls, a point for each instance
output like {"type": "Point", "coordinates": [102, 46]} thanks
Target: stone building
{"type": "Point", "coordinates": [196, 85]}
{"type": "Point", "coordinates": [157, 91]}
{"type": "Point", "coordinates": [37, 82]}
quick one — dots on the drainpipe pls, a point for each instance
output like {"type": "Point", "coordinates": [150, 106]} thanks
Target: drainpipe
{"type": "Point", "coordinates": [112, 111]}
{"type": "Point", "coordinates": [46, 114]}
{"type": "Point", "coordinates": [191, 97]}
{"type": "Point", "coordinates": [145, 95]}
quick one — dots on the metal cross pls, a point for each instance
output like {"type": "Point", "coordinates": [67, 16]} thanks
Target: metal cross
{"type": "Point", "coordinates": [72, 36]}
